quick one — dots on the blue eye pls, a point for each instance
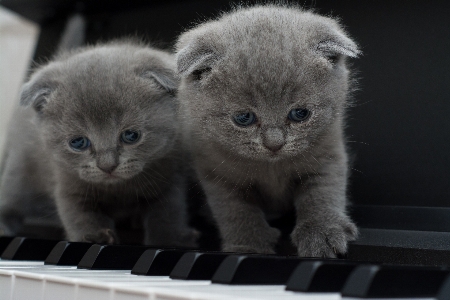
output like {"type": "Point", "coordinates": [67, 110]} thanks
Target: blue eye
{"type": "Point", "coordinates": [299, 114]}
{"type": "Point", "coordinates": [130, 136]}
{"type": "Point", "coordinates": [245, 119]}
{"type": "Point", "coordinates": [80, 143]}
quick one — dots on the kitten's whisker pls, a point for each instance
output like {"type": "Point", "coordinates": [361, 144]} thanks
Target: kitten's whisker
{"type": "Point", "coordinates": [157, 173]}
{"type": "Point", "coordinates": [142, 190]}
{"type": "Point", "coordinates": [235, 186]}
{"type": "Point", "coordinates": [149, 189]}
{"type": "Point", "coordinates": [157, 187]}
{"type": "Point", "coordinates": [154, 177]}
{"type": "Point", "coordinates": [201, 180]}
{"type": "Point", "coordinates": [357, 170]}
{"type": "Point", "coordinates": [309, 164]}
{"type": "Point", "coordinates": [296, 171]}
{"type": "Point", "coordinates": [358, 142]}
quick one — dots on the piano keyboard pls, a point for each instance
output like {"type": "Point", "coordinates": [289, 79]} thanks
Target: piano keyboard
{"type": "Point", "coordinates": [105, 272]}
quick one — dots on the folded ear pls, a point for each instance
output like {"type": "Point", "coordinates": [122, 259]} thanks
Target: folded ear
{"type": "Point", "coordinates": [336, 45]}
{"type": "Point", "coordinates": [165, 78]}
{"type": "Point", "coordinates": [36, 92]}
{"type": "Point", "coordinates": [195, 58]}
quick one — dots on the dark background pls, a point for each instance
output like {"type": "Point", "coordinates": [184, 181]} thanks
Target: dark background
{"type": "Point", "coordinates": [398, 128]}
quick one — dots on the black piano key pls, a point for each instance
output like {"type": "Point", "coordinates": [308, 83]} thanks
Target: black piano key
{"type": "Point", "coordinates": [4, 242]}
{"type": "Point", "coordinates": [198, 265]}
{"type": "Point", "coordinates": [21, 248]}
{"type": "Point", "coordinates": [255, 269]}
{"type": "Point", "coordinates": [67, 253]}
{"type": "Point", "coordinates": [444, 291]}
{"type": "Point", "coordinates": [111, 257]}
{"type": "Point", "coordinates": [157, 262]}
{"type": "Point", "coordinates": [372, 281]}
{"type": "Point", "coordinates": [320, 276]}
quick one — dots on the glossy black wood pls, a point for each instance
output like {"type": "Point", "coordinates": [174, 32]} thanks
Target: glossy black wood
{"type": "Point", "coordinates": [198, 265]}
{"type": "Point", "coordinates": [21, 248]}
{"type": "Point", "coordinates": [157, 262]}
{"type": "Point", "coordinates": [378, 281]}
{"type": "Point", "coordinates": [4, 242]}
{"type": "Point", "coordinates": [320, 276]}
{"type": "Point", "coordinates": [67, 253]}
{"type": "Point", "coordinates": [255, 269]}
{"type": "Point", "coordinates": [111, 257]}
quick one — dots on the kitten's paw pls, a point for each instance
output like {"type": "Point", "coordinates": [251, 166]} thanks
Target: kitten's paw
{"type": "Point", "coordinates": [103, 236]}
{"type": "Point", "coordinates": [320, 239]}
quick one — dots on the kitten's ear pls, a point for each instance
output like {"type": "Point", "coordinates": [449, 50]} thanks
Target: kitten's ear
{"type": "Point", "coordinates": [36, 92]}
{"type": "Point", "coordinates": [193, 58]}
{"type": "Point", "coordinates": [165, 78]}
{"type": "Point", "coordinates": [338, 44]}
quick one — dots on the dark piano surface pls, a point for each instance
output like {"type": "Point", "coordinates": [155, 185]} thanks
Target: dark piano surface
{"type": "Point", "coordinates": [398, 124]}
{"type": "Point", "coordinates": [306, 275]}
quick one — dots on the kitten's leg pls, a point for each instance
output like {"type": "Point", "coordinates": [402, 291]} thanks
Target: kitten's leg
{"type": "Point", "coordinates": [81, 221]}
{"type": "Point", "coordinates": [242, 224]}
{"type": "Point", "coordinates": [323, 227]}
{"type": "Point", "coordinates": [15, 196]}
{"type": "Point", "coordinates": [166, 222]}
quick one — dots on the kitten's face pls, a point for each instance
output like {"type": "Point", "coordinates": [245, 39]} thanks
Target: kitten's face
{"type": "Point", "coordinates": [268, 96]}
{"type": "Point", "coordinates": [278, 118]}
{"type": "Point", "coordinates": [107, 123]}
{"type": "Point", "coordinates": [115, 140]}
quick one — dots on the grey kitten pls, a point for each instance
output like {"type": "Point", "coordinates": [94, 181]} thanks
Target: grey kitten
{"type": "Point", "coordinates": [263, 95]}
{"type": "Point", "coordinates": [100, 137]}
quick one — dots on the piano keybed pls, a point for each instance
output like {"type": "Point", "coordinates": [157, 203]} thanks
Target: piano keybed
{"type": "Point", "coordinates": [29, 280]}
{"type": "Point", "coordinates": [26, 279]}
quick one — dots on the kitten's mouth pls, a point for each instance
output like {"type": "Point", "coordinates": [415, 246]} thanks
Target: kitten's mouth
{"type": "Point", "coordinates": [274, 156]}
{"type": "Point", "coordinates": [111, 177]}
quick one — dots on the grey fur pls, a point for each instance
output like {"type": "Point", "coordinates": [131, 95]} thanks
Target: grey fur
{"type": "Point", "coordinates": [99, 92]}
{"type": "Point", "coordinates": [269, 60]}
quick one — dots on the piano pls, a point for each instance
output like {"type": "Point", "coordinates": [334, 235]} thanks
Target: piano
{"type": "Point", "coordinates": [49, 269]}
{"type": "Point", "coordinates": [398, 132]}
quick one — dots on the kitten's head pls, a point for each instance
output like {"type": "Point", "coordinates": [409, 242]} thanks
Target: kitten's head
{"type": "Point", "coordinates": [266, 81]}
{"type": "Point", "coordinates": [106, 112]}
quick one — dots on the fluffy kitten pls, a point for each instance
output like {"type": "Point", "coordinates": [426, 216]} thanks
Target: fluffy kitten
{"type": "Point", "coordinates": [263, 94]}
{"type": "Point", "coordinates": [100, 137]}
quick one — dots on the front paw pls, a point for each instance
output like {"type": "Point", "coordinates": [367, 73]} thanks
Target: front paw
{"type": "Point", "coordinates": [324, 239]}
{"type": "Point", "coordinates": [103, 236]}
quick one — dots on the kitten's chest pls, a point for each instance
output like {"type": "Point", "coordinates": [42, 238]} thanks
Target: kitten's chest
{"type": "Point", "coordinates": [276, 185]}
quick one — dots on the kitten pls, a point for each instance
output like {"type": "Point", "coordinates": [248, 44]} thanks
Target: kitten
{"type": "Point", "coordinates": [263, 96]}
{"type": "Point", "coordinates": [100, 137]}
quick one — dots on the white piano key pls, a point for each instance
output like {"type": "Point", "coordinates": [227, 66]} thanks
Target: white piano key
{"type": "Point", "coordinates": [6, 283]}
{"type": "Point", "coordinates": [93, 290]}
{"type": "Point", "coordinates": [28, 286]}
{"type": "Point", "coordinates": [18, 264]}
{"type": "Point", "coordinates": [62, 282]}
{"type": "Point", "coordinates": [57, 288]}
{"type": "Point", "coordinates": [131, 294]}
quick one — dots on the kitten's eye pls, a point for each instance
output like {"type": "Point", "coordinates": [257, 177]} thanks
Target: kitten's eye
{"type": "Point", "coordinates": [245, 119]}
{"type": "Point", "coordinates": [299, 114]}
{"type": "Point", "coordinates": [200, 74]}
{"type": "Point", "coordinates": [80, 143]}
{"type": "Point", "coordinates": [130, 136]}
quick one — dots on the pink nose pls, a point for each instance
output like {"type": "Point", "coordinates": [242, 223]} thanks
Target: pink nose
{"type": "Point", "coordinates": [108, 169]}
{"type": "Point", "coordinates": [273, 139]}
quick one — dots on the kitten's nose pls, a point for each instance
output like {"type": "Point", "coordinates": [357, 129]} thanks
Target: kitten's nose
{"type": "Point", "coordinates": [108, 169]}
{"type": "Point", "coordinates": [107, 161]}
{"type": "Point", "coordinates": [273, 139]}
